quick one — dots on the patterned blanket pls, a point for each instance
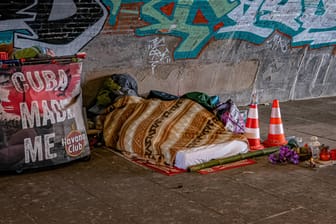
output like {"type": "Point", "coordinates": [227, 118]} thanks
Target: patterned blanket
{"type": "Point", "coordinates": [155, 130]}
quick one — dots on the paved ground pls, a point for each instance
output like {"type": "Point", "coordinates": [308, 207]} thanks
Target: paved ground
{"type": "Point", "coordinates": [108, 189]}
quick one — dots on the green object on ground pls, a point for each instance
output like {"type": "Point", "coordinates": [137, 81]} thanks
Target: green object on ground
{"type": "Point", "coordinates": [230, 159]}
{"type": "Point", "coordinates": [103, 98]}
{"type": "Point", "coordinates": [111, 85]}
{"type": "Point", "coordinates": [203, 99]}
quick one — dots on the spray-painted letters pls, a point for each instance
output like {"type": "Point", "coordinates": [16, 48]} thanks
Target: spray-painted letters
{"type": "Point", "coordinates": [307, 22]}
{"type": "Point", "coordinates": [66, 26]}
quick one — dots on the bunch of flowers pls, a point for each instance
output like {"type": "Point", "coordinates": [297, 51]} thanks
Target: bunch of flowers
{"type": "Point", "coordinates": [284, 155]}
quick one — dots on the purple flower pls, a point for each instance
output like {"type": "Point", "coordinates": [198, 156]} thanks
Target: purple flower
{"type": "Point", "coordinates": [284, 155]}
{"type": "Point", "coordinates": [273, 158]}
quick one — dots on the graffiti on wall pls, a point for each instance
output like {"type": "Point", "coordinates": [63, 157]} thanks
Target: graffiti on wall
{"type": "Point", "coordinates": [307, 22]}
{"type": "Point", "coordinates": [158, 52]}
{"type": "Point", "coordinates": [68, 25]}
{"type": "Point", "coordinates": [62, 25]}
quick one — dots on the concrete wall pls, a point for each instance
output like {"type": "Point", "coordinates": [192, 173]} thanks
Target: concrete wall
{"type": "Point", "coordinates": [276, 49]}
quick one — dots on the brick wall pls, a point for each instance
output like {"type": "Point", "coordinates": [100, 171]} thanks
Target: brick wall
{"type": "Point", "coordinates": [65, 26]}
{"type": "Point", "coordinates": [127, 20]}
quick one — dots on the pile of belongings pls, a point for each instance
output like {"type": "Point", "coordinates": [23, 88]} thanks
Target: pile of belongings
{"type": "Point", "coordinates": [163, 128]}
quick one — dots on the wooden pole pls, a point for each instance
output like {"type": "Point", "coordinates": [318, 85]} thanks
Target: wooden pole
{"type": "Point", "coordinates": [230, 159]}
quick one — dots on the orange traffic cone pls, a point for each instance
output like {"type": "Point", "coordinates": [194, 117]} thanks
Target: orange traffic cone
{"type": "Point", "coordinates": [276, 136]}
{"type": "Point", "coordinates": [252, 128]}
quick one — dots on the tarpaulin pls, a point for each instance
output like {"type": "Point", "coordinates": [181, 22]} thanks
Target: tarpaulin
{"type": "Point", "coordinates": [41, 117]}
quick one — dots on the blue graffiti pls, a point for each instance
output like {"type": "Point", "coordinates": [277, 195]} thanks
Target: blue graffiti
{"type": "Point", "coordinates": [50, 23]}
{"type": "Point", "coordinates": [306, 22]}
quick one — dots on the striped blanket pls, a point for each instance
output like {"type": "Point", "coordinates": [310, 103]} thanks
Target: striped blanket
{"type": "Point", "coordinates": [155, 130]}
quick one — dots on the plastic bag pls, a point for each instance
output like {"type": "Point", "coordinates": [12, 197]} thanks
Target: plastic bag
{"type": "Point", "coordinates": [209, 102]}
{"type": "Point", "coordinates": [231, 117]}
{"type": "Point", "coordinates": [33, 52]}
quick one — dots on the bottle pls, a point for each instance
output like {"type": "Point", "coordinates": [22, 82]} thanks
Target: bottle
{"type": "Point", "coordinates": [324, 153]}
{"type": "Point", "coordinates": [314, 146]}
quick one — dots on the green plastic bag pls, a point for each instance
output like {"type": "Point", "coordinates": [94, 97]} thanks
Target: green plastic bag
{"type": "Point", "coordinates": [209, 102]}
{"type": "Point", "coordinates": [31, 52]}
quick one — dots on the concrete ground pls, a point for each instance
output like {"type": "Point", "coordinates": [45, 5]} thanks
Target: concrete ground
{"type": "Point", "coordinates": [109, 189]}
